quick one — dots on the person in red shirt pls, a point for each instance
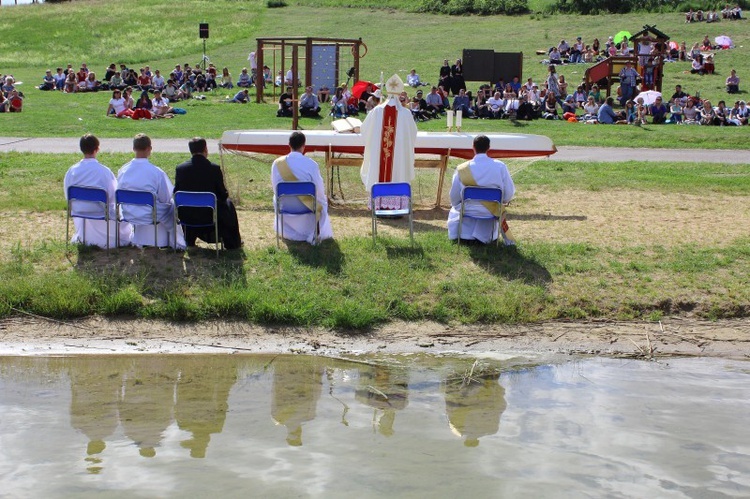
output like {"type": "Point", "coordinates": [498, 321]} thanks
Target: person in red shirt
{"type": "Point", "coordinates": [144, 80]}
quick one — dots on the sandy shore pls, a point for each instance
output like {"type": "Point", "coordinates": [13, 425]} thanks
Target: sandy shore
{"type": "Point", "coordinates": [672, 337]}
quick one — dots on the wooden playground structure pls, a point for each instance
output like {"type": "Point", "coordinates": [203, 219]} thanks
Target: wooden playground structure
{"type": "Point", "coordinates": [606, 72]}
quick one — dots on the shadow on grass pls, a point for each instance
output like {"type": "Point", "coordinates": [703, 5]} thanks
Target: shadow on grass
{"type": "Point", "coordinates": [326, 255]}
{"type": "Point", "coordinates": [508, 262]}
{"type": "Point", "coordinates": [159, 269]}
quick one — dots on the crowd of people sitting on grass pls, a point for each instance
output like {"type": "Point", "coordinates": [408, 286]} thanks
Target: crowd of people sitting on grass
{"type": "Point", "coordinates": [712, 16]}
{"type": "Point", "coordinates": [11, 99]}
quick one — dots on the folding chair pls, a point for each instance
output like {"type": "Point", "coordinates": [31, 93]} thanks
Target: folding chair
{"type": "Point", "coordinates": [207, 200]}
{"type": "Point", "coordinates": [481, 195]}
{"type": "Point", "coordinates": [396, 189]}
{"type": "Point", "coordinates": [289, 201]}
{"type": "Point", "coordinates": [137, 198]}
{"type": "Point", "coordinates": [91, 195]}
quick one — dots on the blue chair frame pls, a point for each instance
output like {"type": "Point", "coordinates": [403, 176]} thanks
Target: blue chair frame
{"type": "Point", "coordinates": [479, 194]}
{"type": "Point", "coordinates": [90, 194]}
{"type": "Point", "coordinates": [189, 199]}
{"type": "Point", "coordinates": [296, 190]}
{"type": "Point", "coordinates": [402, 189]}
{"type": "Point", "coordinates": [138, 198]}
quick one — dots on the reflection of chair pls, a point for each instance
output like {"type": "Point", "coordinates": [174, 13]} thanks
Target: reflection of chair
{"type": "Point", "coordinates": [485, 196]}
{"type": "Point", "coordinates": [396, 189]}
{"type": "Point", "coordinates": [207, 200]}
{"type": "Point", "coordinates": [295, 198]}
{"type": "Point", "coordinates": [136, 198]}
{"type": "Point", "coordinates": [90, 195]}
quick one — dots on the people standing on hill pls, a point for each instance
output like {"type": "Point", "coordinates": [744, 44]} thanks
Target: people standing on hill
{"type": "Point", "coordinates": [628, 81]}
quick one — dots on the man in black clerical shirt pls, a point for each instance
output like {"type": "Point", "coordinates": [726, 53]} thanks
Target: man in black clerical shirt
{"type": "Point", "coordinates": [200, 175]}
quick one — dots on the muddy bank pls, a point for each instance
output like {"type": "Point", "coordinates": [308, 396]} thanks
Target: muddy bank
{"type": "Point", "coordinates": [26, 335]}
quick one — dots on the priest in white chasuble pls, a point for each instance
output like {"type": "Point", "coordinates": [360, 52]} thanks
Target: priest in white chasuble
{"type": "Point", "coordinates": [389, 133]}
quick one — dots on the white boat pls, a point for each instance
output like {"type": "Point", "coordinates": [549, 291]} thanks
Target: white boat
{"type": "Point", "coordinates": [451, 144]}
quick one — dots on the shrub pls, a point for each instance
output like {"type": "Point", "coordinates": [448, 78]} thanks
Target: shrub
{"type": "Point", "coordinates": [479, 7]}
{"type": "Point", "coordinates": [275, 4]}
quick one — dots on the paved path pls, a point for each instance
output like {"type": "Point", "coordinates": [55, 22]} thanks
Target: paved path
{"type": "Point", "coordinates": [565, 153]}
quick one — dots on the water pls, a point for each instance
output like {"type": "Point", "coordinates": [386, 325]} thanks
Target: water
{"type": "Point", "coordinates": [283, 426]}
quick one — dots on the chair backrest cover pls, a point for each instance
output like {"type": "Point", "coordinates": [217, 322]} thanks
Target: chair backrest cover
{"type": "Point", "coordinates": [124, 196]}
{"type": "Point", "coordinates": [188, 199]}
{"type": "Point", "coordinates": [287, 201]}
{"type": "Point", "coordinates": [390, 189]}
{"type": "Point", "coordinates": [492, 194]}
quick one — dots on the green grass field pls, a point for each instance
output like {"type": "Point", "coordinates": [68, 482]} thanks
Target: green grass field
{"type": "Point", "coordinates": [348, 283]}
{"type": "Point", "coordinates": [34, 41]}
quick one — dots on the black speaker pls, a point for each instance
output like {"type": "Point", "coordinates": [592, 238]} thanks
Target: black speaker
{"type": "Point", "coordinates": [203, 30]}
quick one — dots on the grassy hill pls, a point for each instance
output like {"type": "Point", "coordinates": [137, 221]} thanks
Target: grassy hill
{"type": "Point", "coordinates": [156, 32]}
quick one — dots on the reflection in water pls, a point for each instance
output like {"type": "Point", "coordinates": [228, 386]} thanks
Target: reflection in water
{"type": "Point", "coordinates": [95, 388]}
{"type": "Point", "coordinates": [203, 399]}
{"type": "Point", "coordinates": [594, 427]}
{"type": "Point", "coordinates": [474, 403]}
{"type": "Point", "coordinates": [297, 384]}
{"type": "Point", "coordinates": [386, 390]}
{"type": "Point", "coordinates": [147, 402]}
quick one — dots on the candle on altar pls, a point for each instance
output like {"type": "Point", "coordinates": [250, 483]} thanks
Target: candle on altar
{"type": "Point", "coordinates": [449, 117]}
{"type": "Point", "coordinates": [459, 118]}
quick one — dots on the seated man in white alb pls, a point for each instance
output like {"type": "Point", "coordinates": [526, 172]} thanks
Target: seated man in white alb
{"type": "Point", "coordinates": [295, 167]}
{"type": "Point", "coordinates": [482, 171]}
{"type": "Point", "coordinates": [141, 175]}
{"type": "Point", "coordinates": [90, 173]}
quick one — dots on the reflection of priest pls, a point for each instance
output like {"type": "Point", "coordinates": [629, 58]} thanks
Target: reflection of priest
{"type": "Point", "coordinates": [385, 389]}
{"type": "Point", "coordinates": [389, 133]}
{"type": "Point", "coordinates": [474, 407]}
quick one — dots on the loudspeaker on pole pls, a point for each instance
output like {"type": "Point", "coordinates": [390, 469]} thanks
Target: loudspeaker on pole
{"type": "Point", "coordinates": [203, 30]}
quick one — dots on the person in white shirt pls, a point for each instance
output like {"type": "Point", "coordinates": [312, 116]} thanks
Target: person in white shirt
{"type": "Point", "coordinates": [157, 82]}
{"type": "Point", "coordinates": [496, 105]}
{"type": "Point", "coordinates": [160, 105]}
{"type": "Point", "coordinates": [482, 171]}
{"type": "Point", "coordinates": [296, 167]}
{"type": "Point", "coordinates": [90, 173]}
{"type": "Point", "coordinates": [141, 175]}
{"type": "Point", "coordinates": [412, 79]}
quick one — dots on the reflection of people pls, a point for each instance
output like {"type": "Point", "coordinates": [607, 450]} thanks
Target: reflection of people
{"type": "Point", "coordinates": [146, 403]}
{"type": "Point", "coordinates": [389, 133]}
{"type": "Point", "coordinates": [385, 389]}
{"type": "Point", "coordinates": [95, 386]}
{"type": "Point", "coordinates": [296, 167]}
{"type": "Point", "coordinates": [198, 174]}
{"type": "Point", "coordinates": [297, 383]}
{"type": "Point", "coordinates": [202, 399]}
{"type": "Point", "coordinates": [141, 175]}
{"type": "Point", "coordinates": [90, 173]}
{"type": "Point", "coordinates": [481, 171]}
{"type": "Point", "coordinates": [474, 407]}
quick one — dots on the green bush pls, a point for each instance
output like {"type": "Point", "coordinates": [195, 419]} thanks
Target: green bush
{"type": "Point", "coordinates": [478, 7]}
{"type": "Point", "coordinates": [274, 4]}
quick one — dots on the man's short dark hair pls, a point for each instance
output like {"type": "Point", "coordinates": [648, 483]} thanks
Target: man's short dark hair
{"type": "Point", "coordinates": [197, 145]}
{"type": "Point", "coordinates": [297, 140]}
{"type": "Point", "coordinates": [141, 142]}
{"type": "Point", "coordinates": [610, 100]}
{"type": "Point", "coordinates": [481, 144]}
{"type": "Point", "coordinates": [89, 144]}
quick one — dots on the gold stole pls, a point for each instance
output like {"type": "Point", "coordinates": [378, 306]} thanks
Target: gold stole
{"type": "Point", "coordinates": [466, 178]}
{"type": "Point", "coordinates": [286, 173]}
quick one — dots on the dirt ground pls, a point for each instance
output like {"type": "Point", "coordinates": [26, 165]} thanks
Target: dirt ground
{"type": "Point", "coordinates": [619, 217]}
{"type": "Point", "coordinates": [26, 335]}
